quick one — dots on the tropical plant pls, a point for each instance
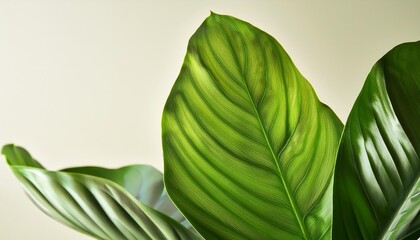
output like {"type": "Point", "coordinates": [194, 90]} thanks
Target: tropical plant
{"type": "Point", "coordinates": [251, 153]}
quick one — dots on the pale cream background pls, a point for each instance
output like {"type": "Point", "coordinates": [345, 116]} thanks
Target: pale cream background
{"type": "Point", "coordinates": [84, 82]}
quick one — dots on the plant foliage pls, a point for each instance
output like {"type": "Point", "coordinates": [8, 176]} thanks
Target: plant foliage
{"type": "Point", "coordinates": [251, 153]}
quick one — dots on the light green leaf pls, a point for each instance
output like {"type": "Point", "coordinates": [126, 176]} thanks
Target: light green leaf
{"type": "Point", "coordinates": [125, 203]}
{"type": "Point", "coordinates": [377, 177]}
{"type": "Point", "coordinates": [249, 149]}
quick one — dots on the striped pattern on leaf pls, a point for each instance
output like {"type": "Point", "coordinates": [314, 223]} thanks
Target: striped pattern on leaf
{"type": "Point", "coordinates": [377, 177]}
{"type": "Point", "coordinates": [93, 200]}
{"type": "Point", "coordinates": [249, 149]}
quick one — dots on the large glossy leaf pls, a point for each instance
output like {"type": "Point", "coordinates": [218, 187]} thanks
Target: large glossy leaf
{"type": "Point", "coordinates": [377, 184]}
{"type": "Point", "coordinates": [249, 149]}
{"type": "Point", "coordinates": [125, 203]}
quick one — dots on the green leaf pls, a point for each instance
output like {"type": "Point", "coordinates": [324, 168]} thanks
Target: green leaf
{"type": "Point", "coordinates": [143, 182]}
{"type": "Point", "coordinates": [125, 203]}
{"type": "Point", "coordinates": [249, 149]}
{"type": "Point", "coordinates": [377, 177]}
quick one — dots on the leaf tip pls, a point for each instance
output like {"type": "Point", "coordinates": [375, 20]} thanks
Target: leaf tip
{"type": "Point", "coordinates": [213, 14]}
{"type": "Point", "coordinates": [7, 148]}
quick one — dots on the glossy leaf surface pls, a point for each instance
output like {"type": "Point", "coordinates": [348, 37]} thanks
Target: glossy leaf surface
{"type": "Point", "coordinates": [377, 185]}
{"type": "Point", "coordinates": [125, 203]}
{"type": "Point", "coordinates": [249, 149]}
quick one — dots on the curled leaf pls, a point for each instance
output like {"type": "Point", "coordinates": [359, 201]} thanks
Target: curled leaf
{"type": "Point", "coordinates": [125, 203]}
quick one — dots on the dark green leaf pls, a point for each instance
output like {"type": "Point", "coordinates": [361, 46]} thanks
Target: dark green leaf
{"type": "Point", "coordinates": [377, 177]}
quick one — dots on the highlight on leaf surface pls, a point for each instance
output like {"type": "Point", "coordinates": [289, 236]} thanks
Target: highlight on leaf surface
{"type": "Point", "coordinates": [250, 153]}
{"type": "Point", "coordinates": [249, 149]}
{"type": "Point", "coordinates": [377, 176]}
{"type": "Point", "coordinates": [125, 203]}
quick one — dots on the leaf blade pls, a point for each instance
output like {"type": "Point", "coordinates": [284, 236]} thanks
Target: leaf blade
{"type": "Point", "coordinates": [233, 125]}
{"type": "Point", "coordinates": [95, 205]}
{"type": "Point", "coordinates": [143, 182]}
{"type": "Point", "coordinates": [378, 168]}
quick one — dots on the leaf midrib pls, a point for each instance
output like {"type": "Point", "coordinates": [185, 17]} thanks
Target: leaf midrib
{"type": "Point", "coordinates": [398, 211]}
{"type": "Point", "coordinates": [280, 173]}
{"type": "Point", "coordinates": [268, 142]}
